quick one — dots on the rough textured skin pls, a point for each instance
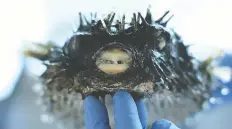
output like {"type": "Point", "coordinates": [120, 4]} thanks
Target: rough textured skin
{"type": "Point", "coordinates": [161, 72]}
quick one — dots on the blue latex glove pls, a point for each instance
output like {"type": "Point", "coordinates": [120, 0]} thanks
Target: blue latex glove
{"type": "Point", "coordinates": [128, 114]}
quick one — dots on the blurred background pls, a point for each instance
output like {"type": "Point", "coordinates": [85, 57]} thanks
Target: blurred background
{"type": "Point", "coordinates": [203, 24]}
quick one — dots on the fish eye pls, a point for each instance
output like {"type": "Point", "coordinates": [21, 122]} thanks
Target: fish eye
{"type": "Point", "coordinates": [114, 61]}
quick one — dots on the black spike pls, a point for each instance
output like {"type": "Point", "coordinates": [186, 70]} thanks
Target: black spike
{"type": "Point", "coordinates": [95, 15]}
{"type": "Point", "coordinates": [117, 25]}
{"type": "Point", "coordinates": [143, 20]}
{"type": "Point", "coordinates": [92, 18]}
{"type": "Point", "coordinates": [177, 37]}
{"type": "Point", "coordinates": [103, 24]}
{"type": "Point", "coordinates": [138, 19]}
{"type": "Point", "coordinates": [87, 21]}
{"type": "Point", "coordinates": [123, 22]}
{"type": "Point", "coordinates": [108, 17]}
{"type": "Point", "coordinates": [112, 19]}
{"type": "Point", "coordinates": [148, 17]}
{"type": "Point", "coordinates": [91, 15]}
{"type": "Point", "coordinates": [160, 19]}
{"type": "Point", "coordinates": [134, 18]}
{"type": "Point", "coordinates": [166, 22]}
{"type": "Point", "coordinates": [133, 21]}
{"type": "Point", "coordinates": [81, 26]}
{"type": "Point", "coordinates": [105, 27]}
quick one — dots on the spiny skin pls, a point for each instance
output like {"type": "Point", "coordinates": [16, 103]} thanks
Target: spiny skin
{"type": "Point", "coordinates": [161, 70]}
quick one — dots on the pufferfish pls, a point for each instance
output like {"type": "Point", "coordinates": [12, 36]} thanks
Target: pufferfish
{"type": "Point", "coordinates": [106, 55]}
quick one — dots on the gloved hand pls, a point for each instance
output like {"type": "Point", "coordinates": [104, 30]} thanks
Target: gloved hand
{"type": "Point", "coordinates": [128, 114]}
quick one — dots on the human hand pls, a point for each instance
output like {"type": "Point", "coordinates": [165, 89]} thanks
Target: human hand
{"type": "Point", "coordinates": [128, 114]}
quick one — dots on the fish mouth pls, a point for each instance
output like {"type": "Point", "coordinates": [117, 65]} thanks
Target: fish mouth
{"type": "Point", "coordinates": [113, 59]}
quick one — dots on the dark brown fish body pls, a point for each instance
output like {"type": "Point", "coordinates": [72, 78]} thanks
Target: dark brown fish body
{"type": "Point", "coordinates": [105, 56]}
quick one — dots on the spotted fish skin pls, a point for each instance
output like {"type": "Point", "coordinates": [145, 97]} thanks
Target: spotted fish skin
{"type": "Point", "coordinates": [161, 71]}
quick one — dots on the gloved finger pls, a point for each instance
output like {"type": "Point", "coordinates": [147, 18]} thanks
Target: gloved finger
{"type": "Point", "coordinates": [125, 111]}
{"type": "Point", "coordinates": [95, 114]}
{"type": "Point", "coordinates": [142, 113]}
{"type": "Point", "coordinates": [163, 124]}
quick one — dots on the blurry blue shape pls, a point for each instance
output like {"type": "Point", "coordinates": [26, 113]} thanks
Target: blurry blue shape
{"type": "Point", "coordinates": [226, 60]}
{"type": "Point", "coordinates": [223, 94]}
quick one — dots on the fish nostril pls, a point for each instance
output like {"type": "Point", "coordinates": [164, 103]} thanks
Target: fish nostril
{"type": "Point", "coordinates": [109, 62]}
{"type": "Point", "coordinates": [119, 62]}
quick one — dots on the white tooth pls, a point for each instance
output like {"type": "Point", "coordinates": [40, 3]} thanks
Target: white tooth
{"type": "Point", "coordinates": [113, 68]}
